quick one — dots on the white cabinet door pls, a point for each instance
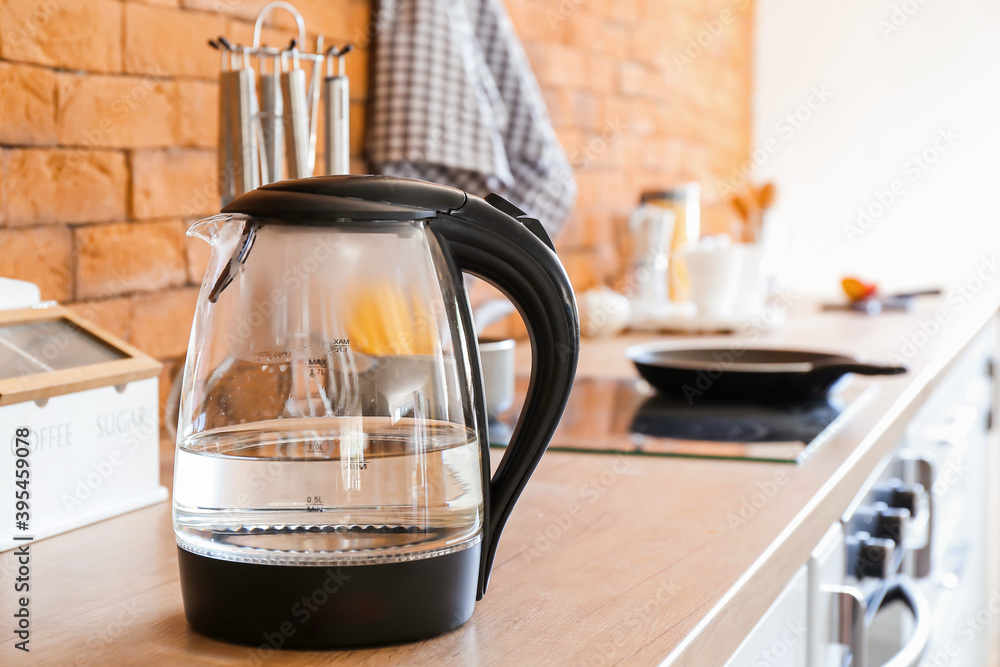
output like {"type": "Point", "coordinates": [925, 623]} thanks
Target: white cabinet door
{"type": "Point", "coordinates": [826, 575]}
{"type": "Point", "coordinates": [779, 638]}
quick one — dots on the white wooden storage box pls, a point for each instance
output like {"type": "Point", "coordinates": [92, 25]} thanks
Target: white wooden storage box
{"type": "Point", "coordinates": [89, 403]}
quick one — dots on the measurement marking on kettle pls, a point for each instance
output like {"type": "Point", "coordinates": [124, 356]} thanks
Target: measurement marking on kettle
{"type": "Point", "coordinates": [21, 448]}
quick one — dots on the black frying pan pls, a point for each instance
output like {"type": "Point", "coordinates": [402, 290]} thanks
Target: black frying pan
{"type": "Point", "coordinates": [760, 375]}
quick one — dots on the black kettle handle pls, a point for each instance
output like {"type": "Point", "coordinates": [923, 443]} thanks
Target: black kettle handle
{"type": "Point", "coordinates": [514, 257]}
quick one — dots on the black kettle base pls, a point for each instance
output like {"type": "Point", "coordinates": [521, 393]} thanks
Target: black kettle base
{"type": "Point", "coordinates": [301, 607]}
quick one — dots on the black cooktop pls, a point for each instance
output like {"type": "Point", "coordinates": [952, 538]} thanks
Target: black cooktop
{"type": "Point", "coordinates": [734, 422]}
{"type": "Point", "coordinates": [628, 417]}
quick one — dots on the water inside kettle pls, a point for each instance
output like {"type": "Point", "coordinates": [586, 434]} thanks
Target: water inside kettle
{"type": "Point", "coordinates": [329, 491]}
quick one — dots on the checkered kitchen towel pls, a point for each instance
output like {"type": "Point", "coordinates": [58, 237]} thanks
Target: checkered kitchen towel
{"type": "Point", "coordinates": [454, 101]}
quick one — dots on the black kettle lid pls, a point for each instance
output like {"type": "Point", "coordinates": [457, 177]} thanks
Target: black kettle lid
{"type": "Point", "coordinates": [331, 199]}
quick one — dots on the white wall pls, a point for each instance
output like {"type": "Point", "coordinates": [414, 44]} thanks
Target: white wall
{"type": "Point", "coordinates": [890, 96]}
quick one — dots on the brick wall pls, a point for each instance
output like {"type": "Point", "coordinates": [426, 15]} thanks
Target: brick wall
{"type": "Point", "coordinates": [108, 129]}
{"type": "Point", "coordinates": [107, 149]}
{"type": "Point", "coordinates": [644, 94]}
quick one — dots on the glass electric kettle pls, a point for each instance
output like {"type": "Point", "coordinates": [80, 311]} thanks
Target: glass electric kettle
{"type": "Point", "coordinates": [332, 482]}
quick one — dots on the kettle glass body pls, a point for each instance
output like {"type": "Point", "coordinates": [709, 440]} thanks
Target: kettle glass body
{"type": "Point", "coordinates": [326, 416]}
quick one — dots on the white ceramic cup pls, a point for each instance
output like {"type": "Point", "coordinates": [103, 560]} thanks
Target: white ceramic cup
{"type": "Point", "coordinates": [714, 273]}
{"type": "Point", "coordinates": [497, 358]}
{"type": "Point", "coordinates": [750, 294]}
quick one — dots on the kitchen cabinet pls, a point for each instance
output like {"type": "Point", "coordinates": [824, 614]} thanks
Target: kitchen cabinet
{"type": "Point", "coordinates": [780, 637]}
{"type": "Point", "coordinates": [925, 505]}
{"type": "Point", "coordinates": [827, 596]}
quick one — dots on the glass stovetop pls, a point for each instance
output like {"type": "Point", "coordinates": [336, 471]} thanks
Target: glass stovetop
{"type": "Point", "coordinates": [628, 417]}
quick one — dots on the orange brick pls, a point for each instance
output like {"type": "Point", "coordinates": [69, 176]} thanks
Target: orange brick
{"type": "Point", "coordinates": [174, 183]}
{"type": "Point", "coordinates": [595, 189]}
{"type": "Point", "coordinates": [360, 23]}
{"type": "Point", "coordinates": [654, 153]}
{"type": "Point", "coordinates": [246, 9]}
{"type": "Point", "coordinates": [588, 229]}
{"type": "Point", "coordinates": [657, 12]}
{"type": "Point", "coordinates": [572, 143]}
{"type": "Point", "coordinates": [557, 65]}
{"type": "Point", "coordinates": [363, 24]}
{"type": "Point", "coordinates": [27, 105]}
{"type": "Point", "coordinates": [575, 232]}
{"type": "Point", "coordinates": [168, 373]}
{"type": "Point", "coordinates": [40, 255]}
{"type": "Point", "coordinates": [196, 113]}
{"type": "Point", "coordinates": [625, 11]}
{"type": "Point", "coordinates": [161, 322]}
{"type": "Point", "coordinates": [683, 30]}
{"type": "Point", "coordinates": [585, 30]}
{"type": "Point", "coordinates": [360, 166]}
{"type": "Point", "coordinates": [649, 46]}
{"type": "Point", "coordinates": [598, 149]}
{"type": "Point", "coordinates": [113, 315]}
{"type": "Point", "coordinates": [614, 111]}
{"type": "Point", "coordinates": [3, 188]}
{"type": "Point", "coordinates": [64, 185]}
{"type": "Point", "coordinates": [540, 22]}
{"type": "Point", "coordinates": [679, 119]}
{"type": "Point", "coordinates": [568, 66]}
{"type": "Point", "coordinates": [572, 108]}
{"type": "Point", "coordinates": [162, 41]}
{"type": "Point", "coordinates": [559, 103]}
{"type": "Point", "coordinates": [523, 16]}
{"type": "Point", "coordinates": [595, 34]}
{"type": "Point", "coordinates": [550, 22]}
{"type": "Point", "coordinates": [632, 79]}
{"type": "Point", "coordinates": [581, 267]}
{"type": "Point", "coordinates": [241, 32]}
{"type": "Point", "coordinates": [120, 258]}
{"type": "Point", "coordinates": [356, 63]}
{"type": "Point", "coordinates": [617, 156]}
{"type": "Point", "coordinates": [357, 128]}
{"type": "Point", "coordinates": [640, 115]}
{"type": "Point", "coordinates": [537, 57]}
{"type": "Point", "coordinates": [337, 20]}
{"type": "Point", "coordinates": [601, 74]}
{"type": "Point", "coordinates": [586, 110]}
{"type": "Point", "coordinates": [115, 111]}
{"type": "Point", "coordinates": [74, 34]}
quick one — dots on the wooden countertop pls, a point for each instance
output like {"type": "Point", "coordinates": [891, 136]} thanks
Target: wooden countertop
{"type": "Point", "coordinates": [649, 569]}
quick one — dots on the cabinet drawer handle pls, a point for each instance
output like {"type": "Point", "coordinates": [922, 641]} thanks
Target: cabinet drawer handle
{"type": "Point", "coordinates": [856, 613]}
{"type": "Point", "coordinates": [925, 477]}
{"type": "Point", "coordinates": [904, 590]}
{"type": "Point", "coordinates": [852, 631]}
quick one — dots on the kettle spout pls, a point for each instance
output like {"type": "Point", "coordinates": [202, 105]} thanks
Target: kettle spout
{"type": "Point", "coordinates": [209, 229]}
